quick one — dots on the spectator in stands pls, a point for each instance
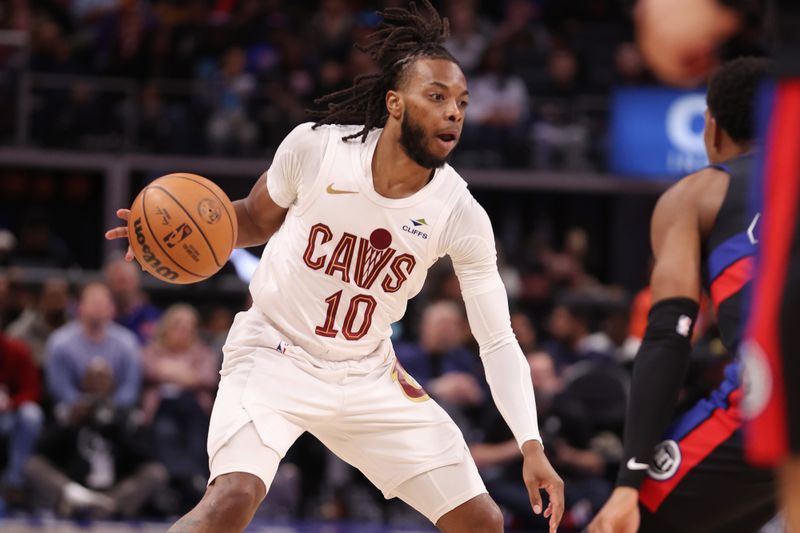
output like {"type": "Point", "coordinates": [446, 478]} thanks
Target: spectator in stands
{"type": "Point", "coordinates": [499, 110]}
{"type": "Point", "coordinates": [20, 415]}
{"type": "Point", "coordinates": [51, 48]}
{"type": "Point", "coordinates": [93, 336]}
{"type": "Point", "coordinates": [124, 39]}
{"type": "Point", "coordinates": [563, 72]}
{"type": "Point", "coordinates": [444, 283]}
{"type": "Point", "coordinates": [536, 289]}
{"type": "Point", "coordinates": [524, 330]}
{"type": "Point", "coordinates": [88, 11]}
{"type": "Point", "coordinates": [96, 461]}
{"type": "Point", "coordinates": [133, 309]}
{"type": "Point", "coordinates": [230, 129]}
{"type": "Point", "coordinates": [612, 337]}
{"type": "Point", "coordinates": [440, 362]}
{"type": "Point", "coordinates": [165, 128]}
{"type": "Point", "coordinates": [215, 330]}
{"type": "Point", "coordinates": [39, 245]}
{"type": "Point", "coordinates": [17, 15]}
{"type": "Point", "coordinates": [329, 30]}
{"type": "Point", "coordinates": [332, 76]}
{"type": "Point", "coordinates": [15, 296]}
{"type": "Point", "coordinates": [35, 324]}
{"type": "Point", "coordinates": [567, 269]}
{"type": "Point", "coordinates": [569, 327]}
{"type": "Point", "coordinates": [560, 135]}
{"type": "Point", "coordinates": [466, 41]}
{"type": "Point", "coordinates": [629, 68]}
{"type": "Point", "coordinates": [524, 37]}
{"type": "Point", "coordinates": [180, 374]}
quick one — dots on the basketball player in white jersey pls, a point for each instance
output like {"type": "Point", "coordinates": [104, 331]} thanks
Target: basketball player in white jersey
{"type": "Point", "coordinates": [355, 216]}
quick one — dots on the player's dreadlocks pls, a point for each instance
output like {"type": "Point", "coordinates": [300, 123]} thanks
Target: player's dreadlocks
{"type": "Point", "coordinates": [404, 36]}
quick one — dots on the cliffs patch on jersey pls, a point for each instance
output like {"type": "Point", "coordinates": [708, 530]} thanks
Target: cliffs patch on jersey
{"type": "Point", "coordinates": [359, 260]}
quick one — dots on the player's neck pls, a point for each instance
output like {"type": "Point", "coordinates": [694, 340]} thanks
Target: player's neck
{"type": "Point", "coordinates": [730, 150]}
{"type": "Point", "coordinates": [394, 174]}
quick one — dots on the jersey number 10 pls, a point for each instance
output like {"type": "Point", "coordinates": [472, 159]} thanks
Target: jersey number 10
{"type": "Point", "coordinates": [348, 326]}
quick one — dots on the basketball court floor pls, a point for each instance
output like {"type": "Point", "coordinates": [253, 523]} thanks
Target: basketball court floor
{"type": "Point", "coordinates": [60, 526]}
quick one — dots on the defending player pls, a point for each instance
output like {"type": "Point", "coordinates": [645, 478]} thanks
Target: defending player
{"type": "Point", "coordinates": [680, 39]}
{"type": "Point", "coordinates": [356, 208]}
{"type": "Point", "coordinates": [703, 236]}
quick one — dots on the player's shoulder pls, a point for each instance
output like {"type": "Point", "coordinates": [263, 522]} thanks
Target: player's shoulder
{"type": "Point", "coordinates": [465, 206]}
{"type": "Point", "coordinates": [310, 135]}
{"type": "Point", "coordinates": [451, 180]}
{"type": "Point", "coordinates": [305, 136]}
{"type": "Point", "coordinates": [698, 195]}
{"type": "Point", "coordinates": [707, 183]}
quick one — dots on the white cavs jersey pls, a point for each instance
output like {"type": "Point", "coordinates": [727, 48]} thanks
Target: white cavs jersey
{"type": "Point", "coordinates": [314, 354]}
{"type": "Point", "coordinates": [342, 267]}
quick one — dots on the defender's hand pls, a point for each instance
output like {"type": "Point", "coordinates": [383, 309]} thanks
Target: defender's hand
{"type": "Point", "coordinates": [539, 474]}
{"type": "Point", "coordinates": [620, 514]}
{"type": "Point", "coordinates": [121, 232]}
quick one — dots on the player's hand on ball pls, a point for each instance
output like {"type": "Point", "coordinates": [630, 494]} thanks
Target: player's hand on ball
{"type": "Point", "coordinates": [539, 474]}
{"type": "Point", "coordinates": [121, 232]}
{"type": "Point", "coordinates": [620, 514]}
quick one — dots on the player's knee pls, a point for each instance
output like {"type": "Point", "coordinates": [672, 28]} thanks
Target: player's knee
{"type": "Point", "coordinates": [238, 493]}
{"type": "Point", "coordinates": [479, 515]}
{"type": "Point", "coordinates": [489, 519]}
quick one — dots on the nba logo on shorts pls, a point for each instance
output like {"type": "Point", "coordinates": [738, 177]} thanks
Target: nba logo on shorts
{"type": "Point", "coordinates": [666, 460]}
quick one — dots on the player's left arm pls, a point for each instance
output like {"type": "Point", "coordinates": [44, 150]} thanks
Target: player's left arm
{"type": "Point", "coordinates": [472, 250]}
{"type": "Point", "coordinates": [663, 358]}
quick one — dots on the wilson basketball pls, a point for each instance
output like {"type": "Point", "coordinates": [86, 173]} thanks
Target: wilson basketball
{"type": "Point", "coordinates": [182, 228]}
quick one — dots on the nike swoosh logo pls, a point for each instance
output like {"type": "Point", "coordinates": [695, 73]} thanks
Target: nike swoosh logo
{"type": "Point", "coordinates": [331, 190]}
{"type": "Point", "coordinates": [632, 464]}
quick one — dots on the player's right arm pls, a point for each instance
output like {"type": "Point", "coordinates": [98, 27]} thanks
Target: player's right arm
{"type": "Point", "coordinates": [258, 215]}
{"type": "Point", "coordinates": [295, 165]}
{"type": "Point", "coordinates": [262, 212]}
{"type": "Point", "coordinates": [683, 215]}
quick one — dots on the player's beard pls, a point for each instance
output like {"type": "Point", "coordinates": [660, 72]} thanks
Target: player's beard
{"type": "Point", "coordinates": [412, 139]}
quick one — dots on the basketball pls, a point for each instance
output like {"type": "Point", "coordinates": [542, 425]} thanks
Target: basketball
{"type": "Point", "coordinates": [182, 228]}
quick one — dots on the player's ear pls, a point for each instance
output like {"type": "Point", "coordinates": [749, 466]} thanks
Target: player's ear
{"type": "Point", "coordinates": [394, 104]}
{"type": "Point", "coordinates": [716, 133]}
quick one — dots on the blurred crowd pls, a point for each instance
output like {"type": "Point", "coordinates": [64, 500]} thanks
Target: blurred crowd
{"type": "Point", "coordinates": [232, 77]}
{"type": "Point", "coordinates": [105, 397]}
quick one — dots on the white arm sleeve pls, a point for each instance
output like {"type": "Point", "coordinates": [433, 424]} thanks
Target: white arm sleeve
{"type": "Point", "coordinates": [296, 163]}
{"type": "Point", "coordinates": [472, 250]}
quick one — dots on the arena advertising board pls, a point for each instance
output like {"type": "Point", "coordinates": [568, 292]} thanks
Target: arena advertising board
{"type": "Point", "coordinates": [656, 133]}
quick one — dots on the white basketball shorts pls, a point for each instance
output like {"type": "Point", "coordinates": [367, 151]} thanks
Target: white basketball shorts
{"type": "Point", "coordinates": [369, 412]}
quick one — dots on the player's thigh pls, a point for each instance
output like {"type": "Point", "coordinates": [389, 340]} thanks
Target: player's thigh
{"type": "Point", "coordinates": [245, 453]}
{"type": "Point", "coordinates": [449, 495]}
{"type": "Point", "coordinates": [391, 430]}
{"type": "Point", "coordinates": [252, 425]}
{"type": "Point", "coordinates": [250, 396]}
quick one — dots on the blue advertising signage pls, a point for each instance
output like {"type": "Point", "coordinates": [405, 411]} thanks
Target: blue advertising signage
{"type": "Point", "coordinates": [657, 133]}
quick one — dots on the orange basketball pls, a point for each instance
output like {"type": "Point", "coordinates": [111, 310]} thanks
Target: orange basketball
{"type": "Point", "coordinates": [182, 228]}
